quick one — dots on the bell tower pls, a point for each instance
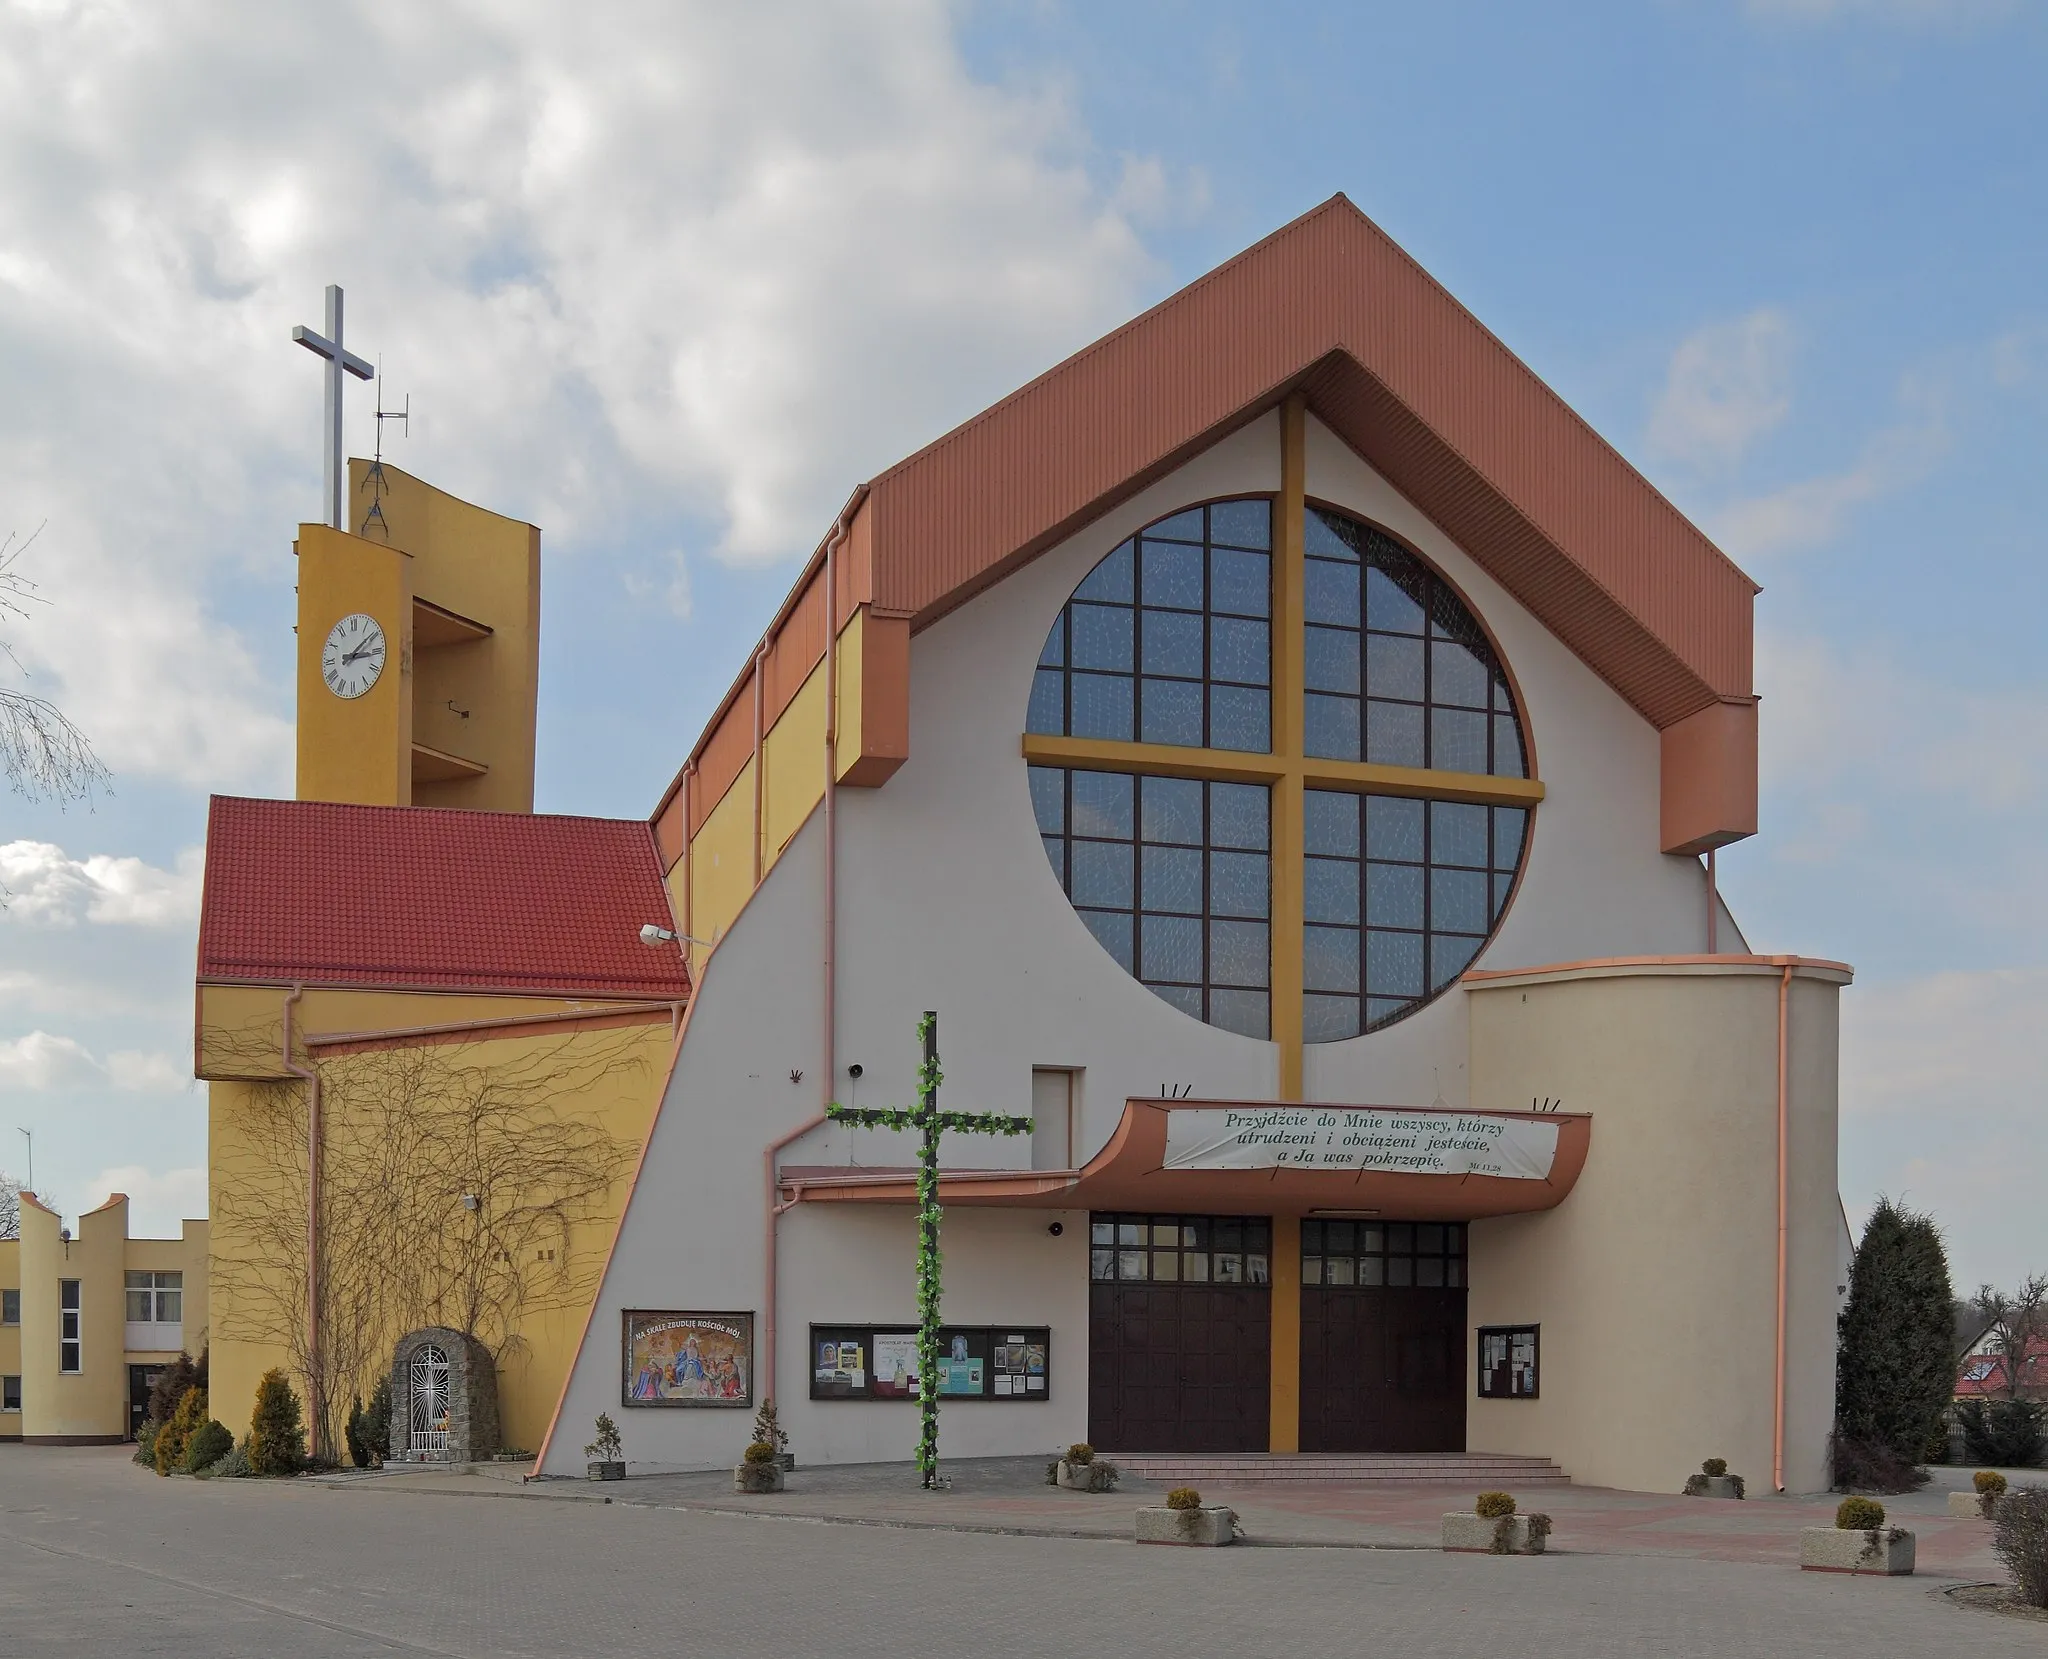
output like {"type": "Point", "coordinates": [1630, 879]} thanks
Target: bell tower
{"type": "Point", "coordinates": [418, 650]}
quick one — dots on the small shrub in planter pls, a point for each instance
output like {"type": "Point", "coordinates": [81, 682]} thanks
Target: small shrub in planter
{"type": "Point", "coordinates": [760, 1469]}
{"type": "Point", "coordinates": [1082, 1471]}
{"type": "Point", "coordinates": [1858, 1542]}
{"type": "Point", "coordinates": [1982, 1503]}
{"type": "Point", "coordinates": [606, 1452]}
{"type": "Point", "coordinates": [769, 1432]}
{"type": "Point", "coordinates": [1187, 1520]}
{"type": "Point", "coordinates": [1494, 1528]}
{"type": "Point", "coordinates": [277, 1428]}
{"type": "Point", "coordinates": [210, 1443]}
{"type": "Point", "coordinates": [1714, 1481]}
{"type": "Point", "coordinates": [2020, 1536]}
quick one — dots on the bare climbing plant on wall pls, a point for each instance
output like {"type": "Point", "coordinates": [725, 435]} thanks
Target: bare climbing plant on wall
{"type": "Point", "coordinates": [449, 1189]}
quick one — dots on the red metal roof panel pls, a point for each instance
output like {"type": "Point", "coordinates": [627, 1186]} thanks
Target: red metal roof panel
{"type": "Point", "coordinates": [429, 898]}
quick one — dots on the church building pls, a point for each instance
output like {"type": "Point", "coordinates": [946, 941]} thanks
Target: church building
{"type": "Point", "coordinates": [1286, 748]}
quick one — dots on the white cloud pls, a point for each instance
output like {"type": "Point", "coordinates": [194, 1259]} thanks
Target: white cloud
{"type": "Point", "coordinates": [680, 263]}
{"type": "Point", "coordinates": [1726, 386]}
{"type": "Point", "coordinates": [45, 1062]}
{"type": "Point", "coordinates": [157, 1200]}
{"type": "Point", "coordinates": [40, 882]}
{"type": "Point", "coordinates": [1814, 511]}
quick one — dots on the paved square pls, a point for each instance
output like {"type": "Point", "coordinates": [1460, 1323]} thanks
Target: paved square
{"type": "Point", "coordinates": [98, 1556]}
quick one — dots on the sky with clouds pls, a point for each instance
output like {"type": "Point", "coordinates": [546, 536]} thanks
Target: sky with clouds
{"type": "Point", "coordinates": [669, 282]}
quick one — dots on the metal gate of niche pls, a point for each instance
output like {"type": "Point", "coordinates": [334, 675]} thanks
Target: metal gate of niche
{"type": "Point", "coordinates": [430, 1403]}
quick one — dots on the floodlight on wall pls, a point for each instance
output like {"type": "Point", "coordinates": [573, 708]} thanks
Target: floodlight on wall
{"type": "Point", "coordinates": [652, 935]}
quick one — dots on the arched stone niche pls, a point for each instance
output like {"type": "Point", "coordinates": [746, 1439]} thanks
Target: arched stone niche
{"type": "Point", "coordinates": [444, 1398]}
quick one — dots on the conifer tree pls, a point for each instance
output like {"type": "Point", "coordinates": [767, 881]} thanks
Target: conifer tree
{"type": "Point", "coordinates": [277, 1431]}
{"type": "Point", "coordinates": [1895, 1363]}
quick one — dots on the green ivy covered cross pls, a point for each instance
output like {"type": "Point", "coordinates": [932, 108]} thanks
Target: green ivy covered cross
{"type": "Point", "coordinates": [931, 1123]}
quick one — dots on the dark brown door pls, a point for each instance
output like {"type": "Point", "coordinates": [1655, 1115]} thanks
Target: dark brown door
{"type": "Point", "coordinates": [1179, 1334]}
{"type": "Point", "coordinates": [1382, 1337]}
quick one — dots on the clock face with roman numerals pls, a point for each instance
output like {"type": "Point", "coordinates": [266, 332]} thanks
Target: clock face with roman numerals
{"type": "Point", "coordinates": [353, 656]}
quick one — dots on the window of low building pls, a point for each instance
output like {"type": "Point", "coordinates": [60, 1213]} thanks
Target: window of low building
{"type": "Point", "coordinates": [10, 1307]}
{"type": "Point", "coordinates": [10, 1394]}
{"type": "Point", "coordinates": [70, 1351]}
{"type": "Point", "coordinates": [155, 1298]}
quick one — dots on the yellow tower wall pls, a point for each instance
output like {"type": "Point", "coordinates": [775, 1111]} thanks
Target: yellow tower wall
{"type": "Point", "coordinates": [475, 695]}
{"type": "Point", "coordinates": [359, 749]}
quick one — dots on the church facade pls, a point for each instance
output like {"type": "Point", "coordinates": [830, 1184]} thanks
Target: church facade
{"type": "Point", "coordinates": [1281, 745]}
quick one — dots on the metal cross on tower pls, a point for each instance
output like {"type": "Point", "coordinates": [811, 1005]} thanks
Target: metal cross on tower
{"type": "Point", "coordinates": [338, 359]}
{"type": "Point", "coordinates": [926, 1117]}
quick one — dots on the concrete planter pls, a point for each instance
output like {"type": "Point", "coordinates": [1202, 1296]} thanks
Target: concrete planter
{"type": "Point", "coordinates": [1884, 1551]}
{"type": "Point", "coordinates": [1714, 1486]}
{"type": "Point", "coordinates": [1483, 1535]}
{"type": "Point", "coordinates": [1088, 1477]}
{"type": "Point", "coordinates": [605, 1471]}
{"type": "Point", "coordinates": [758, 1477]}
{"type": "Point", "coordinates": [1212, 1525]}
{"type": "Point", "coordinates": [1970, 1506]}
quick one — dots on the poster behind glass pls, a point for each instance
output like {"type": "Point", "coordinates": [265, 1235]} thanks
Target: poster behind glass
{"type": "Point", "coordinates": [687, 1359]}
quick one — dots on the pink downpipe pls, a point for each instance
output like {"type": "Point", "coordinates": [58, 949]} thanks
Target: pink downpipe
{"type": "Point", "coordinates": [1778, 1403]}
{"type": "Point", "coordinates": [760, 736]}
{"type": "Point", "coordinates": [775, 1209]}
{"type": "Point", "coordinates": [830, 1069]}
{"type": "Point", "coordinates": [311, 1079]}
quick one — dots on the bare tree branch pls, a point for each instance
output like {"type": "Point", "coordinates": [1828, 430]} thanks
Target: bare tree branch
{"type": "Point", "coordinates": [10, 1207]}
{"type": "Point", "coordinates": [42, 753]}
{"type": "Point", "coordinates": [2018, 1327]}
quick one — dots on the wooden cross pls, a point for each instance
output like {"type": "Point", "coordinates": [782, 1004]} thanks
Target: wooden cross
{"type": "Point", "coordinates": [931, 1123]}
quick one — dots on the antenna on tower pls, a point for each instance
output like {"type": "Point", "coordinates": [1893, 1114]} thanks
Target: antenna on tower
{"type": "Point", "coordinates": [374, 480]}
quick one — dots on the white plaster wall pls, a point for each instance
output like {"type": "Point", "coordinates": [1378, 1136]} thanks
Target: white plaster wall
{"type": "Point", "coordinates": [946, 902]}
{"type": "Point", "coordinates": [1655, 1282]}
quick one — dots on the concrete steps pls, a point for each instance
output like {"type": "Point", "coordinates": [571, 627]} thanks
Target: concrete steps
{"type": "Point", "coordinates": [1478, 1470]}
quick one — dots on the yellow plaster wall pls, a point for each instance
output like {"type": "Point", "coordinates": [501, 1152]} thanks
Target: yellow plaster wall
{"type": "Point", "coordinates": [793, 755]}
{"type": "Point", "coordinates": [486, 567]}
{"type": "Point", "coordinates": [721, 865]}
{"type": "Point", "coordinates": [357, 750]}
{"type": "Point", "coordinates": [852, 655]}
{"type": "Point", "coordinates": [531, 1373]}
{"type": "Point", "coordinates": [10, 1335]}
{"type": "Point", "coordinates": [92, 1403]}
{"type": "Point", "coordinates": [241, 1026]}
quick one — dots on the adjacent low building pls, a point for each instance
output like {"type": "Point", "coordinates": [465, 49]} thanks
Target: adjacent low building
{"type": "Point", "coordinates": [88, 1322]}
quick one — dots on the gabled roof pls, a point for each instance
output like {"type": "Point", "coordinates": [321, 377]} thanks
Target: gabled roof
{"type": "Point", "coordinates": [431, 899]}
{"type": "Point", "coordinates": [1403, 373]}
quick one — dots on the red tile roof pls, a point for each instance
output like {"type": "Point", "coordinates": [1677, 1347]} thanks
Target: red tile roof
{"type": "Point", "coordinates": [426, 898]}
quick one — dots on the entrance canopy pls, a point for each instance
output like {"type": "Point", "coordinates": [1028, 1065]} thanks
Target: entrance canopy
{"type": "Point", "coordinates": [1267, 1158]}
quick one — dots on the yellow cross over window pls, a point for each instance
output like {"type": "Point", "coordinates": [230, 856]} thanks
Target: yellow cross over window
{"type": "Point", "coordinates": [1279, 767]}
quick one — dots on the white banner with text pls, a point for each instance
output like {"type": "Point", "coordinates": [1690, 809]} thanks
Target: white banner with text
{"type": "Point", "coordinates": [1349, 1137]}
